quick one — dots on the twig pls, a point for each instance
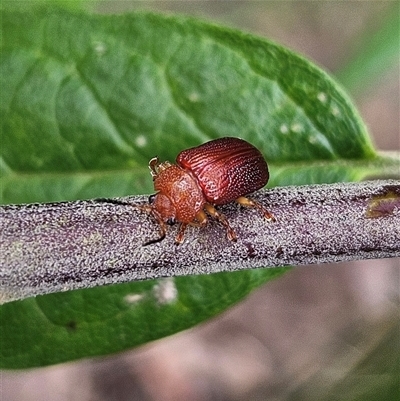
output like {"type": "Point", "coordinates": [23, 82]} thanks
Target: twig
{"type": "Point", "coordinates": [47, 248]}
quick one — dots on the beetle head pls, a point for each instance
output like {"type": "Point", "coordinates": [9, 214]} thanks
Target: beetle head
{"type": "Point", "coordinates": [164, 207]}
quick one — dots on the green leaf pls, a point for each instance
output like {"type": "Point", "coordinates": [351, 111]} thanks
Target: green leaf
{"type": "Point", "coordinates": [109, 92]}
{"type": "Point", "coordinates": [377, 53]}
{"type": "Point", "coordinates": [27, 5]}
{"type": "Point", "coordinates": [376, 375]}
{"type": "Point", "coordinates": [87, 100]}
{"type": "Point", "coordinates": [65, 326]}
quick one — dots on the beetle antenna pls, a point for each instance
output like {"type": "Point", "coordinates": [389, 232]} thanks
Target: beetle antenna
{"type": "Point", "coordinates": [112, 201]}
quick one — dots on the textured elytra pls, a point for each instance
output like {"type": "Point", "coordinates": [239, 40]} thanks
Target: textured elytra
{"type": "Point", "coordinates": [226, 168]}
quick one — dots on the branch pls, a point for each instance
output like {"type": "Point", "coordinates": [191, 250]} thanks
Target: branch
{"type": "Point", "coordinates": [46, 248]}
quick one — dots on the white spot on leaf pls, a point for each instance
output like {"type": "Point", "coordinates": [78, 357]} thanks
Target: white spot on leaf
{"type": "Point", "coordinates": [99, 47]}
{"type": "Point", "coordinates": [284, 129]}
{"type": "Point", "coordinates": [194, 97]}
{"type": "Point", "coordinates": [335, 111]}
{"type": "Point", "coordinates": [313, 139]}
{"type": "Point", "coordinates": [141, 141]}
{"type": "Point", "coordinates": [322, 97]}
{"type": "Point", "coordinates": [165, 291]}
{"type": "Point", "coordinates": [133, 298]}
{"type": "Point", "coordinates": [296, 128]}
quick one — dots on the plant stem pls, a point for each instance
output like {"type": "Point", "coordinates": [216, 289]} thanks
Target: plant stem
{"type": "Point", "coordinates": [46, 248]}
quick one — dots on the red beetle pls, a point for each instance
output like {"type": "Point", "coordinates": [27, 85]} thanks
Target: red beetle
{"type": "Point", "coordinates": [215, 173]}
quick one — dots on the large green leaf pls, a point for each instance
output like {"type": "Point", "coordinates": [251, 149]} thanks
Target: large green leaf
{"type": "Point", "coordinates": [65, 326]}
{"type": "Point", "coordinates": [88, 99]}
{"type": "Point", "coordinates": [109, 92]}
{"type": "Point", "coordinates": [376, 54]}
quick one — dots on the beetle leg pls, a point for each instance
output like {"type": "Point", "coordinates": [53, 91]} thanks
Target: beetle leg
{"type": "Point", "coordinates": [201, 219]}
{"type": "Point", "coordinates": [230, 232]}
{"type": "Point", "coordinates": [242, 200]}
{"type": "Point", "coordinates": [161, 223]}
{"type": "Point", "coordinates": [181, 233]}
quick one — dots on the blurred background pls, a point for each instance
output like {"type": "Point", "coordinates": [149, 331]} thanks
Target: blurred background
{"type": "Point", "coordinates": [329, 332]}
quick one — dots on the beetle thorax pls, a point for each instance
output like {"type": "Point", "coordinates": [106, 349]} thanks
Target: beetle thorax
{"type": "Point", "coordinates": [179, 195]}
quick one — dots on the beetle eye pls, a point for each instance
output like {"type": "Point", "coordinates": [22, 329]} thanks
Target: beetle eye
{"type": "Point", "coordinates": [171, 221]}
{"type": "Point", "coordinates": [151, 198]}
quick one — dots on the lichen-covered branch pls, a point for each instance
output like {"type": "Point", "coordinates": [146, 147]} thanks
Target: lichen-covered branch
{"type": "Point", "coordinates": [46, 248]}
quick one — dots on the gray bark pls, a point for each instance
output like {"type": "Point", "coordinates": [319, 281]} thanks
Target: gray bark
{"type": "Point", "coordinates": [47, 248]}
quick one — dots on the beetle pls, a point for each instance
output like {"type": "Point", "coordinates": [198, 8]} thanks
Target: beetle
{"type": "Point", "coordinates": [215, 173]}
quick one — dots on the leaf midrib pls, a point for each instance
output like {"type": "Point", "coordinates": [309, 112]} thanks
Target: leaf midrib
{"type": "Point", "coordinates": [387, 159]}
